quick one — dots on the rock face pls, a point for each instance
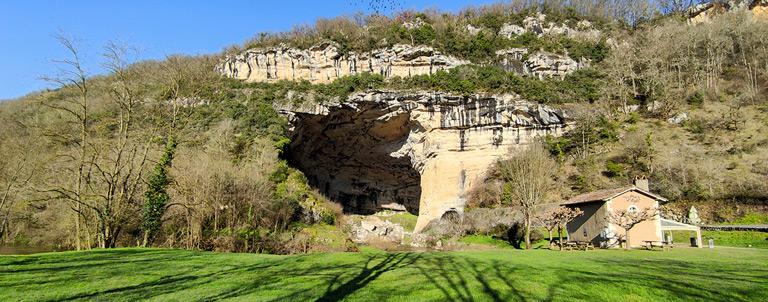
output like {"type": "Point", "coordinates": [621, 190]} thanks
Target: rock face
{"type": "Point", "coordinates": [704, 12]}
{"type": "Point", "coordinates": [543, 64]}
{"type": "Point", "coordinates": [422, 150]}
{"type": "Point", "coordinates": [538, 24]}
{"type": "Point", "coordinates": [324, 63]}
{"type": "Point", "coordinates": [540, 64]}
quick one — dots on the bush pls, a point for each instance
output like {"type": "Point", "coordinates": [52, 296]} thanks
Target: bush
{"type": "Point", "coordinates": [515, 234]}
{"type": "Point", "coordinates": [613, 170]}
{"type": "Point", "coordinates": [695, 100]}
{"type": "Point", "coordinates": [696, 126]}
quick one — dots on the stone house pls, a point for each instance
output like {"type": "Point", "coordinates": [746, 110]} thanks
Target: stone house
{"type": "Point", "coordinates": [594, 225]}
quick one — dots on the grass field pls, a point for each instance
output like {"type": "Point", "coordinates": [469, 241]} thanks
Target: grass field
{"type": "Point", "coordinates": [726, 238]}
{"type": "Point", "coordinates": [722, 274]}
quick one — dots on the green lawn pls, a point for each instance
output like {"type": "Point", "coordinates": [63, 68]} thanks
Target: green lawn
{"type": "Point", "coordinates": [500, 275]}
{"type": "Point", "coordinates": [725, 238]}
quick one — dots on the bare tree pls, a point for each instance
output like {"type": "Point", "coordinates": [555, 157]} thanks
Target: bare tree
{"type": "Point", "coordinates": [183, 78]}
{"type": "Point", "coordinates": [565, 215]}
{"type": "Point", "coordinates": [558, 218]}
{"type": "Point", "coordinates": [17, 168]}
{"type": "Point", "coordinates": [529, 175]}
{"type": "Point", "coordinates": [549, 221]}
{"type": "Point", "coordinates": [628, 219]}
{"type": "Point", "coordinates": [120, 164]}
{"type": "Point", "coordinates": [72, 76]}
{"type": "Point", "coordinates": [675, 6]}
{"type": "Point", "coordinates": [107, 169]}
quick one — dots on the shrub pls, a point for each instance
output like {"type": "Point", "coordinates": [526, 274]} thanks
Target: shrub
{"type": "Point", "coordinates": [515, 234]}
{"type": "Point", "coordinates": [695, 100]}
{"type": "Point", "coordinates": [613, 169]}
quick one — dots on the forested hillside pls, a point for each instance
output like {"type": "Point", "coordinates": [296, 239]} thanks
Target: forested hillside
{"type": "Point", "coordinates": [170, 153]}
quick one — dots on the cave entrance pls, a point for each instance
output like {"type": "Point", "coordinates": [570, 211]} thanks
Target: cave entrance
{"type": "Point", "coordinates": [355, 157]}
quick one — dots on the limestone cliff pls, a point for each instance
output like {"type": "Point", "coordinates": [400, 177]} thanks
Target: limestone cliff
{"type": "Point", "coordinates": [704, 12]}
{"type": "Point", "coordinates": [420, 150]}
{"type": "Point", "coordinates": [543, 64]}
{"type": "Point", "coordinates": [538, 24]}
{"type": "Point", "coordinates": [324, 63]}
{"type": "Point", "coordinates": [540, 65]}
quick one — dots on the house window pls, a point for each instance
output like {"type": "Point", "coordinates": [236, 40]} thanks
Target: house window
{"type": "Point", "coordinates": [585, 231]}
{"type": "Point", "coordinates": [632, 209]}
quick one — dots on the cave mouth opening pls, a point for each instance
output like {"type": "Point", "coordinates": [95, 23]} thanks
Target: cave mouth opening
{"type": "Point", "coordinates": [354, 157]}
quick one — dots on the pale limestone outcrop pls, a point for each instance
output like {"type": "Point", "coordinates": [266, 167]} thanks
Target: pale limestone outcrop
{"type": "Point", "coordinates": [538, 24]}
{"type": "Point", "coordinates": [510, 30]}
{"type": "Point", "coordinates": [324, 63]}
{"type": "Point", "coordinates": [540, 64]}
{"type": "Point", "coordinates": [544, 64]}
{"type": "Point", "coordinates": [423, 150]}
{"type": "Point", "coordinates": [472, 30]}
{"type": "Point", "coordinates": [704, 12]}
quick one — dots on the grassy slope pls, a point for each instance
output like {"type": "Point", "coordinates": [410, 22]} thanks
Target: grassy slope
{"type": "Point", "coordinates": [167, 275]}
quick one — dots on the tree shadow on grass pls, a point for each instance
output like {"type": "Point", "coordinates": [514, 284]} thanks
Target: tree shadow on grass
{"type": "Point", "coordinates": [467, 279]}
{"type": "Point", "coordinates": [332, 277]}
{"type": "Point", "coordinates": [683, 279]}
{"type": "Point", "coordinates": [653, 279]}
{"type": "Point", "coordinates": [85, 261]}
{"type": "Point", "coordinates": [166, 284]}
{"type": "Point", "coordinates": [339, 281]}
{"type": "Point", "coordinates": [366, 275]}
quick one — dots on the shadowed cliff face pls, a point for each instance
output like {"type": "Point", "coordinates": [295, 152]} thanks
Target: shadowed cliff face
{"type": "Point", "coordinates": [420, 151]}
{"type": "Point", "coordinates": [346, 154]}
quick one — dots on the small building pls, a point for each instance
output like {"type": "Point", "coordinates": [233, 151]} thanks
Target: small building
{"type": "Point", "coordinates": [594, 225]}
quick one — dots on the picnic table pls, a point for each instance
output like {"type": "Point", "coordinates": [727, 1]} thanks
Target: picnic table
{"type": "Point", "coordinates": [586, 245]}
{"type": "Point", "coordinates": [650, 244]}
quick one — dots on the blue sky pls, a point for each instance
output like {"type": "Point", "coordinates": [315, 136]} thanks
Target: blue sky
{"type": "Point", "coordinates": [158, 27]}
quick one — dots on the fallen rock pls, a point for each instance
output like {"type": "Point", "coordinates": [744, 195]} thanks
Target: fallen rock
{"type": "Point", "coordinates": [374, 229]}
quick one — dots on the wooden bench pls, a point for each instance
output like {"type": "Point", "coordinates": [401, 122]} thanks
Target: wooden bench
{"type": "Point", "coordinates": [578, 245]}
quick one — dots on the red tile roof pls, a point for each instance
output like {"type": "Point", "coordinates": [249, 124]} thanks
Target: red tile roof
{"type": "Point", "coordinates": [605, 195]}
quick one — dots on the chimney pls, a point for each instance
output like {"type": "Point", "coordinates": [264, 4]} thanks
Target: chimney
{"type": "Point", "coordinates": [642, 183]}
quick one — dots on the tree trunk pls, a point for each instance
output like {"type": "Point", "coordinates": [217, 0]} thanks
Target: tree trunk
{"type": "Point", "coordinates": [77, 228]}
{"type": "Point", "coordinates": [629, 245]}
{"type": "Point", "coordinates": [560, 237]}
{"type": "Point", "coordinates": [527, 231]}
{"type": "Point", "coordinates": [144, 242]}
{"type": "Point", "coordinates": [550, 237]}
